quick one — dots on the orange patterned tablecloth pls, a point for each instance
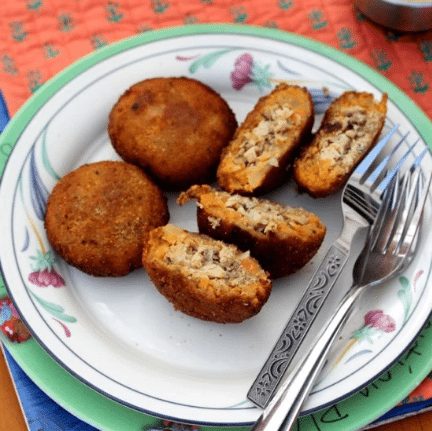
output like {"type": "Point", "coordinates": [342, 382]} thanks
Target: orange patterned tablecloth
{"type": "Point", "coordinates": [41, 37]}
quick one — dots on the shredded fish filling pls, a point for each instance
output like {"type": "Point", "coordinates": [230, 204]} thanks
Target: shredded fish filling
{"type": "Point", "coordinates": [265, 216]}
{"type": "Point", "coordinates": [261, 143]}
{"type": "Point", "coordinates": [199, 260]}
{"type": "Point", "coordinates": [353, 130]}
{"type": "Point", "coordinates": [214, 221]}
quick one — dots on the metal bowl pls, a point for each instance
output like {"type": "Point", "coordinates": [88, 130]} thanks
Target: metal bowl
{"type": "Point", "coordinates": [403, 15]}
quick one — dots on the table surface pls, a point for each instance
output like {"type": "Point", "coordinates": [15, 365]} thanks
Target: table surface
{"type": "Point", "coordinates": [12, 419]}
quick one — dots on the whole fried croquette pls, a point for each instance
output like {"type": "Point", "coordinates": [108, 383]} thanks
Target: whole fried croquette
{"type": "Point", "coordinates": [349, 129]}
{"type": "Point", "coordinates": [256, 159]}
{"type": "Point", "coordinates": [174, 128]}
{"type": "Point", "coordinates": [205, 278]}
{"type": "Point", "coordinates": [282, 239]}
{"type": "Point", "coordinates": [98, 217]}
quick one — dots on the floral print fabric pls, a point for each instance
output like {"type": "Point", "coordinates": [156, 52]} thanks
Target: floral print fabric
{"type": "Point", "coordinates": [41, 37]}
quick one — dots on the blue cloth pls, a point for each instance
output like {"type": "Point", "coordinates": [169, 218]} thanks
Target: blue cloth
{"type": "Point", "coordinates": [4, 115]}
{"type": "Point", "coordinates": [404, 410]}
{"type": "Point", "coordinates": [41, 412]}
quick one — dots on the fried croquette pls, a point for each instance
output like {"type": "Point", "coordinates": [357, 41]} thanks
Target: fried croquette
{"type": "Point", "coordinates": [98, 217]}
{"type": "Point", "coordinates": [174, 128]}
{"type": "Point", "coordinates": [350, 127]}
{"type": "Point", "coordinates": [282, 239]}
{"type": "Point", "coordinates": [256, 159]}
{"type": "Point", "coordinates": [205, 278]}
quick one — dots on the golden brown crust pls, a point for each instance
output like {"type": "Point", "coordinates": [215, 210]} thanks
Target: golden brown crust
{"type": "Point", "coordinates": [282, 242]}
{"type": "Point", "coordinates": [256, 159]}
{"type": "Point", "coordinates": [174, 128]}
{"type": "Point", "coordinates": [98, 215]}
{"type": "Point", "coordinates": [189, 270]}
{"type": "Point", "coordinates": [350, 127]}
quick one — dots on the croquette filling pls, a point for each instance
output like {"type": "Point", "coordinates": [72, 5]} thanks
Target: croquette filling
{"type": "Point", "coordinates": [212, 261]}
{"type": "Point", "coordinates": [261, 145]}
{"type": "Point", "coordinates": [265, 216]}
{"type": "Point", "coordinates": [348, 137]}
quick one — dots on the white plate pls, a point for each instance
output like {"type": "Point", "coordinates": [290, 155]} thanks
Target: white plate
{"type": "Point", "coordinates": [119, 335]}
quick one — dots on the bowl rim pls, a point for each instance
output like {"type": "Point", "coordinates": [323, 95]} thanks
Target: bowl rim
{"type": "Point", "coordinates": [413, 4]}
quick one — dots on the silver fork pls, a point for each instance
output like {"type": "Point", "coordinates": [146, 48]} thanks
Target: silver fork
{"type": "Point", "coordinates": [388, 250]}
{"type": "Point", "coordinates": [361, 200]}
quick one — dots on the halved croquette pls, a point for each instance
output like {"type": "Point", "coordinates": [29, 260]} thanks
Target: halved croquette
{"type": "Point", "coordinates": [350, 128]}
{"type": "Point", "coordinates": [256, 159]}
{"type": "Point", "coordinates": [282, 239]}
{"type": "Point", "coordinates": [205, 278]}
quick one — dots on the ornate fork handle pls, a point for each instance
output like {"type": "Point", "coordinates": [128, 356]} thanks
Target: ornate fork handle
{"type": "Point", "coordinates": [285, 407]}
{"type": "Point", "coordinates": [268, 379]}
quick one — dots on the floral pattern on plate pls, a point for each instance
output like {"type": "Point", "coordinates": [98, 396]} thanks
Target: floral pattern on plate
{"type": "Point", "coordinates": [247, 69]}
{"type": "Point", "coordinates": [377, 323]}
{"type": "Point", "coordinates": [44, 273]}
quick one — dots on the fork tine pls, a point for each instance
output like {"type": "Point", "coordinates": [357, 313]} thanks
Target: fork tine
{"type": "Point", "coordinates": [411, 207]}
{"type": "Point", "coordinates": [362, 199]}
{"type": "Point", "coordinates": [389, 176]}
{"type": "Point", "coordinates": [410, 232]}
{"type": "Point", "coordinates": [371, 180]}
{"type": "Point", "coordinates": [380, 228]}
{"type": "Point", "coordinates": [419, 158]}
{"type": "Point", "coordinates": [400, 213]}
{"type": "Point", "coordinates": [365, 164]}
{"type": "Point", "coordinates": [395, 211]}
{"type": "Point", "coordinates": [386, 218]}
{"type": "Point", "coordinates": [396, 228]}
